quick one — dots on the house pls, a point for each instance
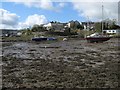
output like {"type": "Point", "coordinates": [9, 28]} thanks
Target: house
{"type": "Point", "coordinates": [8, 32]}
{"type": "Point", "coordinates": [48, 26]}
{"type": "Point", "coordinates": [56, 26]}
{"type": "Point", "coordinates": [112, 31]}
{"type": "Point", "coordinates": [88, 25]}
{"type": "Point", "coordinates": [19, 33]}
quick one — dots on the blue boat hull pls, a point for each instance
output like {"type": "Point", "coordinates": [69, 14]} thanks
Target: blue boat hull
{"type": "Point", "coordinates": [39, 39]}
{"type": "Point", "coordinates": [43, 39]}
{"type": "Point", "coordinates": [51, 38]}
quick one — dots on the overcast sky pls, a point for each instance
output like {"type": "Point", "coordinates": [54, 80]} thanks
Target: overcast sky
{"type": "Point", "coordinates": [25, 13]}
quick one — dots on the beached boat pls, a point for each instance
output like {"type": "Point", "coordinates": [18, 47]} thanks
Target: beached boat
{"type": "Point", "coordinates": [96, 37]}
{"type": "Point", "coordinates": [42, 38]}
{"type": "Point", "coordinates": [51, 38]}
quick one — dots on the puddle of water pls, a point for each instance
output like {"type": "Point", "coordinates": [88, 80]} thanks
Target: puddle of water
{"type": "Point", "coordinates": [97, 64]}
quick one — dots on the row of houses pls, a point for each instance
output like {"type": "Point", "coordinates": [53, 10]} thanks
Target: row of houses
{"type": "Point", "coordinates": [54, 26]}
{"type": "Point", "coordinates": [9, 32]}
{"type": "Point", "coordinates": [57, 26]}
{"type": "Point", "coordinates": [61, 27]}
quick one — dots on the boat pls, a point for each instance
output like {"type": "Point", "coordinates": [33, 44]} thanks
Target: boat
{"type": "Point", "coordinates": [42, 38]}
{"type": "Point", "coordinates": [39, 39]}
{"type": "Point", "coordinates": [51, 38]}
{"type": "Point", "coordinates": [97, 37]}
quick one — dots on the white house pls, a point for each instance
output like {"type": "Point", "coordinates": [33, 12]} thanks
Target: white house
{"type": "Point", "coordinates": [113, 31]}
{"type": "Point", "coordinates": [48, 26]}
{"type": "Point", "coordinates": [88, 25]}
{"type": "Point", "coordinates": [19, 34]}
{"type": "Point", "coordinates": [54, 26]}
{"type": "Point", "coordinates": [73, 23]}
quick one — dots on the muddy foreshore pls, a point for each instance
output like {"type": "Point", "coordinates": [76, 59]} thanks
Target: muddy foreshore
{"type": "Point", "coordinates": [63, 64]}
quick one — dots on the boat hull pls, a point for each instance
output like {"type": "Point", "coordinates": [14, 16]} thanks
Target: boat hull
{"type": "Point", "coordinates": [43, 39]}
{"type": "Point", "coordinates": [51, 38]}
{"type": "Point", "coordinates": [97, 39]}
{"type": "Point", "coordinates": [39, 39]}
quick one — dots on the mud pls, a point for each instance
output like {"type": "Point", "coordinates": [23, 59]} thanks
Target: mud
{"type": "Point", "coordinates": [61, 64]}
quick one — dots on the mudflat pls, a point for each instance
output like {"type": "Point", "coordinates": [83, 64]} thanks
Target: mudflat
{"type": "Point", "coordinates": [61, 64]}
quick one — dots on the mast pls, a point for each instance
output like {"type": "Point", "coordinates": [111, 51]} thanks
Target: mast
{"type": "Point", "coordinates": [102, 18]}
{"type": "Point", "coordinates": [88, 24]}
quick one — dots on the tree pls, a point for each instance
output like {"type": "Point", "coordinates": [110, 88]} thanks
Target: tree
{"type": "Point", "coordinates": [80, 27]}
{"type": "Point", "coordinates": [38, 28]}
{"type": "Point", "coordinates": [115, 27]}
{"type": "Point", "coordinates": [98, 27]}
{"type": "Point", "coordinates": [67, 31]}
{"type": "Point", "coordinates": [26, 31]}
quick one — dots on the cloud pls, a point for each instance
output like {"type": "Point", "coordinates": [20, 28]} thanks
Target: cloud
{"type": "Point", "coordinates": [42, 4]}
{"type": "Point", "coordinates": [64, 0]}
{"type": "Point", "coordinates": [94, 0]}
{"type": "Point", "coordinates": [32, 20]}
{"type": "Point", "coordinates": [85, 8]}
{"type": "Point", "coordinates": [93, 10]}
{"type": "Point", "coordinates": [8, 20]}
{"type": "Point", "coordinates": [61, 4]}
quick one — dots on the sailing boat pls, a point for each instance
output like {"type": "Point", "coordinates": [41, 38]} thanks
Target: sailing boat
{"type": "Point", "coordinates": [97, 37]}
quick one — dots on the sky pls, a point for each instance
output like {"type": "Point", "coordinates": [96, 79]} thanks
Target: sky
{"type": "Point", "coordinates": [18, 14]}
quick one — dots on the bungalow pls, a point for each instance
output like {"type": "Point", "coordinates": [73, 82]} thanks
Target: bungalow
{"type": "Point", "coordinates": [113, 31]}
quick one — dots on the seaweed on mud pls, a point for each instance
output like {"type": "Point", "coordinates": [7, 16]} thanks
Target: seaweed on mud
{"type": "Point", "coordinates": [62, 67]}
